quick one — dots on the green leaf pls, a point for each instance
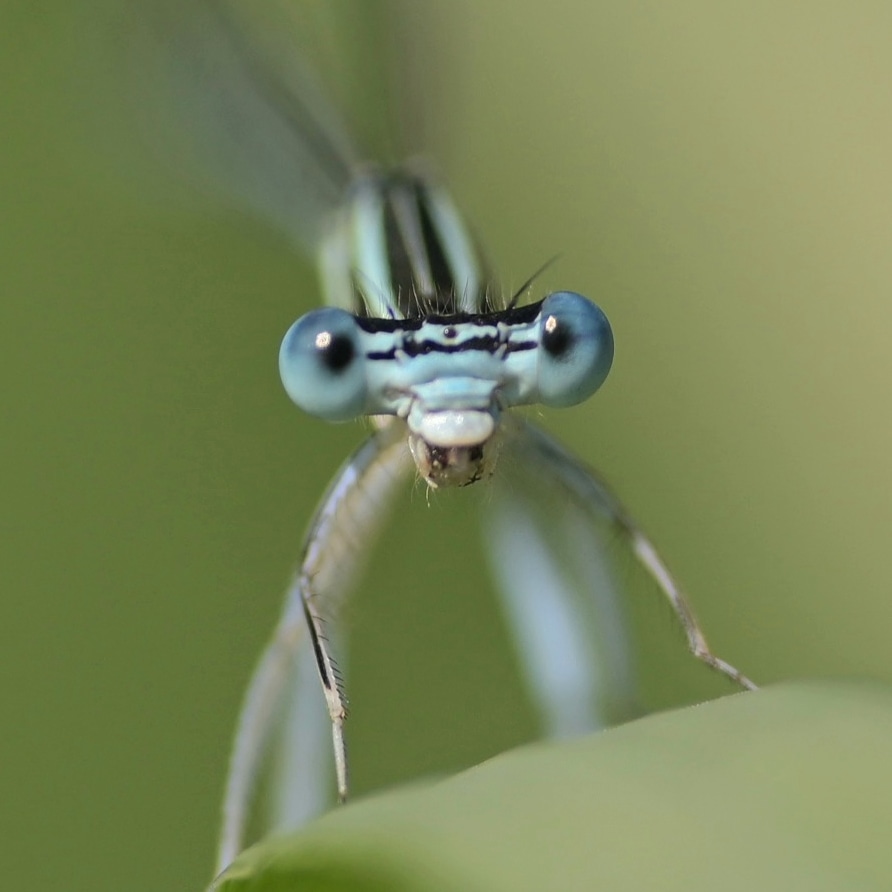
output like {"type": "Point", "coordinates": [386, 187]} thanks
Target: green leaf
{"type": "Point", "coordinates": [785, 789]}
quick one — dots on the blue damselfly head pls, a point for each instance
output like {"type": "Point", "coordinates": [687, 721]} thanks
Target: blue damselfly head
{"type": "Point", "coordinates": [450, 377]}
{"type": "Point", "coordinates": [411, 331]}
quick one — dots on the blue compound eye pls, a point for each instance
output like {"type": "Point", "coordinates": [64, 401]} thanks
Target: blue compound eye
{"type": "Point", "coordinates": [322, 365]}
{"type": "Point", "coordinates": [575, 349]}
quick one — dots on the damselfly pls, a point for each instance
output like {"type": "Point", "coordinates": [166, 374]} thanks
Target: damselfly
{"type": "Point", "coordinates": [417, 338]}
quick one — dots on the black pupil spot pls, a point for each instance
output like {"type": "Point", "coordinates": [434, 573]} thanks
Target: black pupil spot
{"type": "Point", "coordinates": [556, 337]}
{"type": "Point", "coordinates": [337, 353]}
{"type": "Point", "coordinates": [449, 332]}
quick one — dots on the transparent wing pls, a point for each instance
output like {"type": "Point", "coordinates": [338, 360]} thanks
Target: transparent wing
{"type": "Point", "coordinates": [237, 102]}
{"type": "Point", "coordinates": [284, 732]}
{"type": "Point", "coordinates": [563, 552]}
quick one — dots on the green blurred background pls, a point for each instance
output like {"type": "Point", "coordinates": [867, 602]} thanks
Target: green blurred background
{"type": "Point", "coordinates": [716, 175]}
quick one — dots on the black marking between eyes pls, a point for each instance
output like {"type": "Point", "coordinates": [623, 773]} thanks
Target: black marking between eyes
{"type": "Point", "coordinates": [516, 316]}
{"type": "Point", "coordinates": [483, 344]}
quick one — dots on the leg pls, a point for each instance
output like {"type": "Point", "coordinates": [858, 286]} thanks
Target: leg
{"type": "Point", "coordinates": [340, 531]}
{"type": "Point", "coordinates": [586, 489]}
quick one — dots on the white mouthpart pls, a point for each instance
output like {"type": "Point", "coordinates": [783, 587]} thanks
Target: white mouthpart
{"type": "Point", "coordinates": [456, 428]}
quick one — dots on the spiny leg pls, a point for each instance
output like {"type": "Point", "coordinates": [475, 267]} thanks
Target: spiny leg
{"type": "Point", "coordinates": [300, 761]}
{"type": "Point", "coordinates": [584, 487]}
{"type": "Point", "coordinates": [333, 688]}
{"type": "Point", "coordinates": [340, 532]}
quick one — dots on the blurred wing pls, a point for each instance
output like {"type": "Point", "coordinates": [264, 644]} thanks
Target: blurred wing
{"type": "Point", "coordinates": [235, 101]}
{"type": "Point", "coordinates": [551, 549]}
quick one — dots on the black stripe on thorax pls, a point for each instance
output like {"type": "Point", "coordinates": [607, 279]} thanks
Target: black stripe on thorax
{"type": "Point", "coordinates": [422, 276]}
{"type": "Point", "coordinates": [420, 273]}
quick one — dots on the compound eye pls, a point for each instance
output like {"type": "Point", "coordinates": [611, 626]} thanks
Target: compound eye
{"type": "Point", "coordinates": [322, 365]}
{"type": "Point", "coordinates": [575, 349]}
